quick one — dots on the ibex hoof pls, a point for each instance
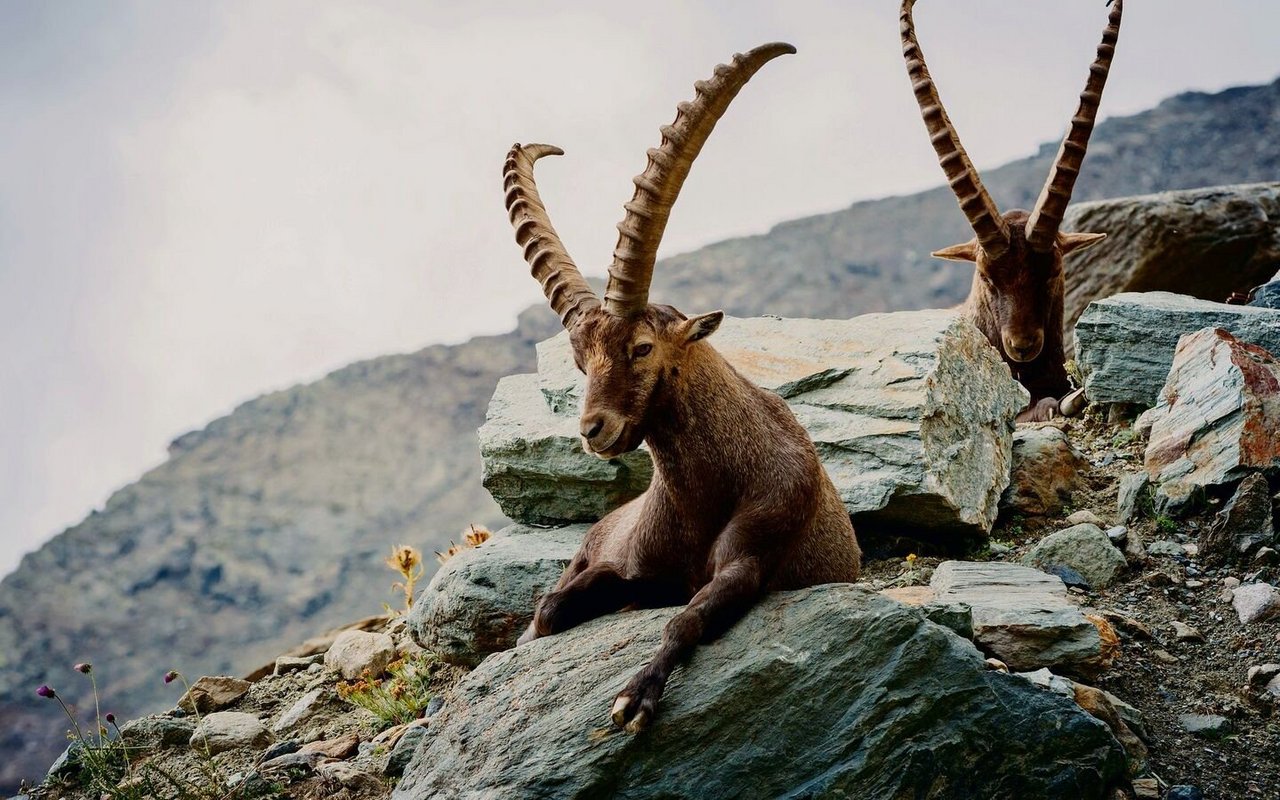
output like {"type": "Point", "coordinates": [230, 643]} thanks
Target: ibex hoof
{"type": "Point", "coordinates": [637, 704]}
{"type": "Point", "coordinates": [1073, 403]}
{"type": "Point", "coordinates": [530, 633]}
{"type": "Point", "coordinates": [619, 710]}
{"type": "Point", "coordinates": [1042, 411]}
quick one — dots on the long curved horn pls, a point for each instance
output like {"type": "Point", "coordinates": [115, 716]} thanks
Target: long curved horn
{"type": "Point", "coordinates": [1042, 227]}
{"type": "Point", "coordinates": [640, 231]}
{"type": "Point", "coordinates": [984, 217]}
{"type": "Point", "coordinates": [549, 262]}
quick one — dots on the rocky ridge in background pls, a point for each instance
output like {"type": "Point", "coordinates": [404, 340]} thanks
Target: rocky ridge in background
{"type": "Point", "coordinates": [271, 523]}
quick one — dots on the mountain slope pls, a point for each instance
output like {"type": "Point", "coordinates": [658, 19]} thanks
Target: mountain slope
{"type": "Point", "coordinates": [271, 523]}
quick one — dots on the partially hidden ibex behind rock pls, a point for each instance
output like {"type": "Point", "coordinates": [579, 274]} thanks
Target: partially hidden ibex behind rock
{"type": "Point", "coordinates": [739, 503]}
{"type": "Point", "coordinates": [1017, 294]}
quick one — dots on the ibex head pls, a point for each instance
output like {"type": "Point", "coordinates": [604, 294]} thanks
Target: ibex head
{"type": "Point", "coordinates": [627, 347]}
{"type": "Point", "coordinates": [1018, 255]}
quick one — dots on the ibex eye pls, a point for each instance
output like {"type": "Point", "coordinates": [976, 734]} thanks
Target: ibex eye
{"type": "Point", "coordinates": [642, 350]}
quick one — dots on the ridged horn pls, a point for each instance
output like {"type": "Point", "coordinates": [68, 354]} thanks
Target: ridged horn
{"type": "Point", "coordinates": [640, 231]}
{"type": "Point", "coordinates": [984, 217]}
{"type": "Point", "coordinates": [1046, 219]}
{"type": "Point", "coordinates": [549, 261]}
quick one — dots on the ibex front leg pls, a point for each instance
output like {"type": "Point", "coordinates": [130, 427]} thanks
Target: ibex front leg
{"type": "Point", "coordinates": [736, 586]}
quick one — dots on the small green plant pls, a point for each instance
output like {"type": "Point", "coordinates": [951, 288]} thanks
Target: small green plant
{"type": "Point", "coordinates": [110, 767]}
{"type": "Point", "coordinates": [1166, 525]}
{"type": "Point", "coordinates": [407, 561]}
{"type": "Point", "coordinates": [399, 697]}
{"type": "Point", "coordinates": [1123, 437]}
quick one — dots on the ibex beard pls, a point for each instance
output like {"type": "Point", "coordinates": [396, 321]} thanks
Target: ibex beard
{"type": "Point", "coordinates": [739, 504]}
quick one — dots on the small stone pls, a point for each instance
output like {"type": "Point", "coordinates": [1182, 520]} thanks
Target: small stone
{"type": "Point", "coordinates": [229, 730]}
{"type": "Point", "coordinates": [1208, 726]}
{"type": "Point", "coordinates": [1046, 470]}
{"type": "Point", "coordinates": [1135, 497]}
{"type": "Point", "coordinates": [403, 752]}
{"type": "Point", "coordinates": [342, 747]}
{"type": "Point", "coordinates": [154, 733]}
{"type": "Point", "coordinates": [1085, 549]}
{"type": "Point", "coordinates": [1084, 516]}
{"type": "Point", "coordinates": [213, 693]}
{"type": "Point", "coordinates": [1166, 548]}
{"type": "Point", "coordinates": [355, 653]}
{"type": "Point", "coordinates": [1185, 633]}
{"type": "Point", "coordinates": [1146, 789]}
{"type": "Point", "coordinates": [999, 549]}
{"type": "Point", "coordinates": [1118, 534]}
{"type": "Point", "coordinates": [1230, 583]}
{"type": "Point", "coordinates": [1184, 792]}
{"type": "Point", "coordinates": [1256, 602]}
{"type": "Point", "coordinates": [1193, 584]}
{"type": "Point", "coordinates": [281, 749]}
{"type": "Point", "coordinates": [287, 664]}
{"type": "Point", "coordinates": [1262, 674]}
{"type": "Point", "coordinates": [291, 762]}
{"type": "Point", "coordinates": [1128, 624]}
{"type": "Point", "coordinates": [1265, 557]}
{"type": "Point", "coordinates": [1165, 656]}
{"type": "Point", "coordinates": [435, 705]}
{"type": "Point", "coordinates": [302, 710]}
{"type": "Point", "coordinates": [350, 776]}
{"type": "Point", "coordinates": [997, 665]}
{"type": "Point", "coordinates": [1135, 549]}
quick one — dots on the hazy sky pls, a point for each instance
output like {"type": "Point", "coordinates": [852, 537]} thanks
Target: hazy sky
{"type": "Point", "coordinates": [202, 202]}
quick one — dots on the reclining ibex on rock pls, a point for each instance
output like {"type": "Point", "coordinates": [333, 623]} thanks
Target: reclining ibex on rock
{"type": "Point", "coordinates": [739, 503]}
{"type": "Point", "coordinates": [1017, 294]}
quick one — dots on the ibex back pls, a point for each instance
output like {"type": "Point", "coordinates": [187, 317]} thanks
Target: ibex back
{"type": "Point", "coordinates": [739, 503]}
{"type": "Point", "coordinates": [1017, 293]}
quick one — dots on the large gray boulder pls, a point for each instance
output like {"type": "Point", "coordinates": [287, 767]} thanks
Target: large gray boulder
{"type": "Point", "coordinates": [1021, 616]}
{"type": "Point", "coordinates": [1125, 344]}
{"type": "Point", "coordinates": [481, 600]}
{"type": "Point", "coordinates": [826, 692]}
{"type": "Point", "coordinates": [1218, 418]}
{"type": "Point", "coordinates": [912, 414]}
{"type": "Point", "coordinates": [1084, 548]}
{"type": "Point", "coordinates": [1206, 243]}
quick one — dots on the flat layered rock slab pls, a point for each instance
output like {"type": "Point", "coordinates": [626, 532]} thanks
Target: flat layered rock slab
{"type": "Point", "coordinates": [1204, 242]}
{"type": "Point", "coordinates": [482, 599]}
{"type": "Point", "coordinates": [1125, 344]}
{"type": "Point", "coordinates": [825, 692]}
{"type": "Point", "coordinates": [1219, 415]}
{"type": "Point", "coordinates": [912, 415]}
{"type": "Point", "coordinates": [1021, 615]}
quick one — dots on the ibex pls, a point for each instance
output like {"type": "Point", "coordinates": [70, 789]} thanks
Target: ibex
{"type": "Point", "coordinates": [739, 504]}
{"type": "Point", "coordinates": [1016, 298]}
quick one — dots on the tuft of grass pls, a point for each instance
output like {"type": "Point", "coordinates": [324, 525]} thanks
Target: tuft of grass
{"type": "Point", "coordinates": [407, 561]}
{"type": "Point", "coordinates": [474, 536]}
{"type": "Point", "coordinates": [398, 697]}
{"type": "Point", "coordinates": [1166, 525]}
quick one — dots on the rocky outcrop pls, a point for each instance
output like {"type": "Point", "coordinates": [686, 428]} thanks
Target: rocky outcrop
{"type": "Point", "coordinates": [830, 691]}
{"type": "Point", "coordinates": [1244, 524]}
{"type": "Point", "coordinates": [1218, 418]}
{"type": "Point", "coordinates": [1047, 469]}
{"type": "Point", "coordinates": [912, 415]}
{"type": "Point", "coordinates": [271, 523]}
{"type": "Point", "coordinates": [1021, 616]}
{"type": "Point", "coordinates": [482, 599]}
{"type": "Point", "coordinates": [1125, 344]}
{"type": "Point", "coordinates": [1205, 243]}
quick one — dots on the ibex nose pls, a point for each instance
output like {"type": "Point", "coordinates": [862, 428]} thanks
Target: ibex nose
{"type": "Point", "coordinates": [591, 426]}
{"type": "Point", "coordinates": [1023, 349]}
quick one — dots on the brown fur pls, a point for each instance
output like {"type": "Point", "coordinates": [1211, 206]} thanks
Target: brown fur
{"type": "Point", "coordinates": [739, 504]}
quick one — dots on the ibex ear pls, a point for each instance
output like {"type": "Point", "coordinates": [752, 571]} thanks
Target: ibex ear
{"type": "Point", "coordinates": [702, 326]}
{"type": "Point", "coordinates": [1071, 242]}
{"type": "Point", "coordinates": [959, 252]}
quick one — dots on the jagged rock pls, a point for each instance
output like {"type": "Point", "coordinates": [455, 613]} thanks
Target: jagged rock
{"type": "Point", "coordinates": [341, 747]}
{"type": "Point", "coordinates": [213, 693]}
{"type": "Point", "coordinates": [865, 696]}
{"type": "Point", "coordinates": [303, 709]}
{"type": "Point", "coordinates": [1084, 548]}
{"type": "Point", "coordinates": [1219, 415]}
{"type": "Point", "coordinates": [1125, 344]}
{"type": "Point", "coordinates": [1256, 602]}
{"type": "Point", "coordinates": [912, 414]}
{"type": "Point", "coordinates": [354, 653]}
{"type": "Point", "coordinates": [229, 730]}
{"type": "Point", "coordinates": [1208, 726]}
{"type": "Point", "coordinates": [1083, 516]}
{"type": "Point", "coordinates": [404, 750]}
{"type": "Point", "coordinates": [1242, 526]}
{"type": "Point", "coordinates": [157, 732]}
{"type": "Point", "coordinates": [1021, 615]}
{"type": "Point", "coordinates": [1201, 242]}
{"type": "Point", "coordinates": [481, 600]}
{"type": "Point", "coordinates": [286, 664]}
{"type": "Point", "coordinates": [1134, 499]}
{"type": "Point", "coordinates": [1046, 470]}
{"type": "Point", "coordinates": [1268, 294]}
